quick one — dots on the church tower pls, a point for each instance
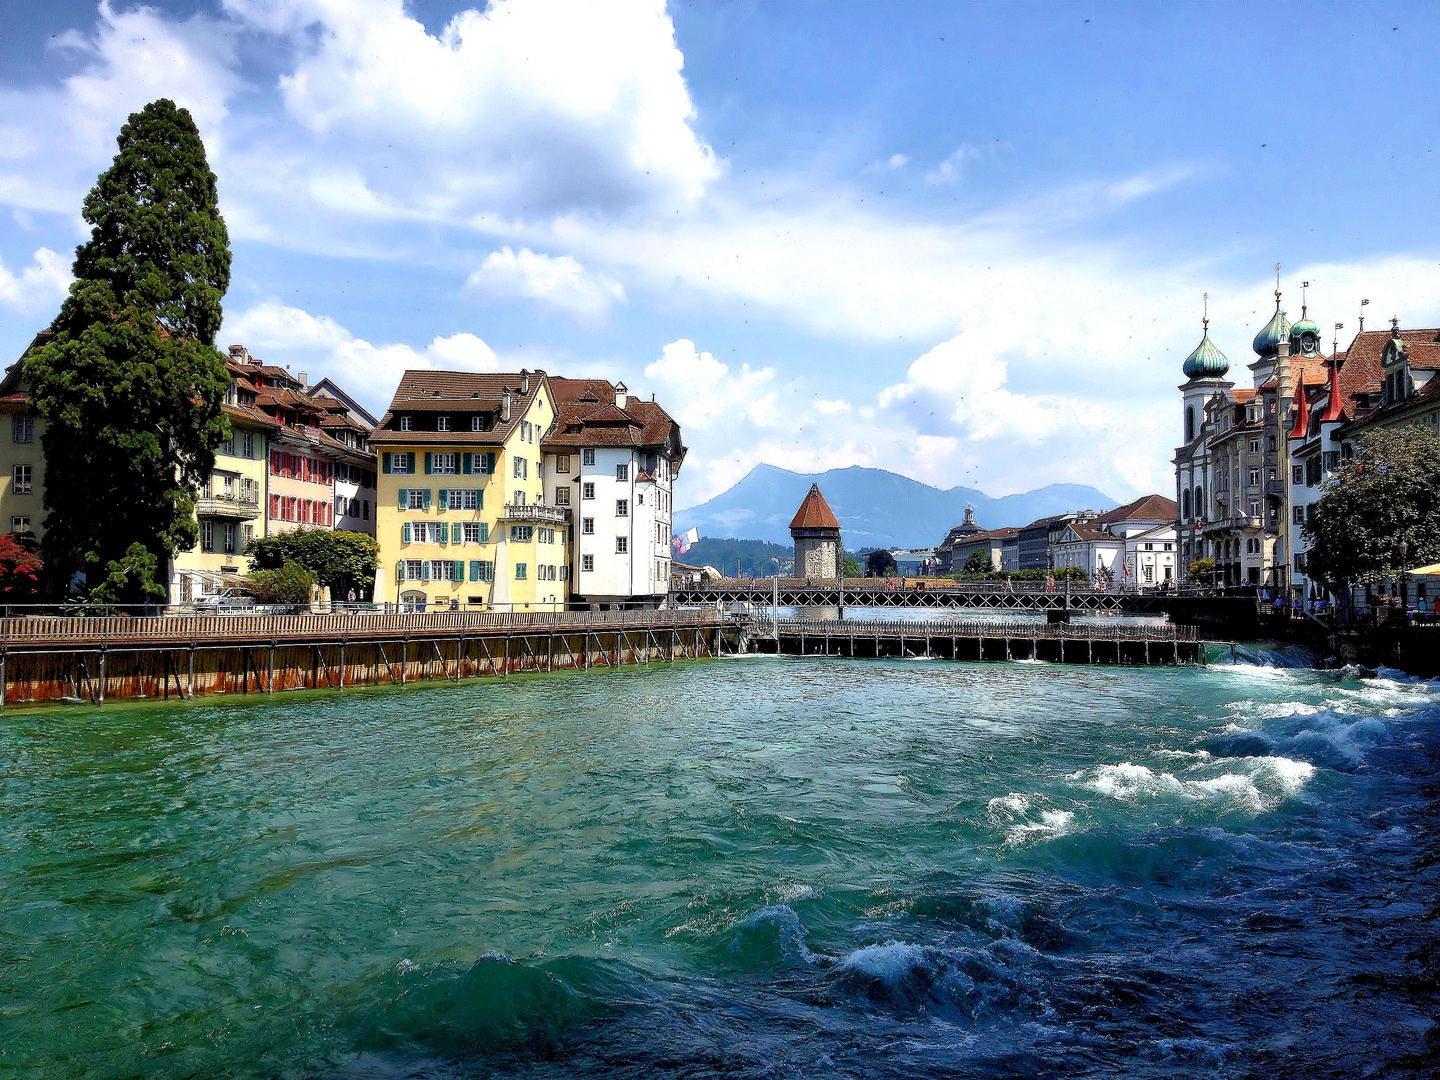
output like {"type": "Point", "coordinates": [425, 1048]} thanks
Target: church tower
{"type": "Point", "coordinates": [816, 533]}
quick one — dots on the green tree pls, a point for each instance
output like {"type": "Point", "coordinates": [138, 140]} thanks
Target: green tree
{"type": "Point", "coordinates": [130, 383]}
{"type": "Point", "coordinates": [1381, 514]}
{"type": "Point", "coordinates": [851, 566]}
{"type": "Point", "coordinates": [337, 559]}
{"type": "Point", "coordinates": [880, 563]}
{"type": "Point", "coordinates": [1201, 571]}
{"type": "Point", "coordinates": [290, 584]}
{"type": "Point", "coordinates": [977, 562]}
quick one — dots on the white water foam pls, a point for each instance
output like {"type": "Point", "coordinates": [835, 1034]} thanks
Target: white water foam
{"type": "Point", "coordinates": [1262, 784]}
{"type": "Point", "coordinates": [1012, 813]}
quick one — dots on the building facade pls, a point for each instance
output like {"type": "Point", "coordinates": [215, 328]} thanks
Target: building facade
{"type": "Point", "coordinates": [816, 533]}
{"type": "Point", "coordinates": [1001, 548]}
{"type": "Point", "coordinates": [1132, 545]}
{"type": "Point", "coordinates": [463, 517]}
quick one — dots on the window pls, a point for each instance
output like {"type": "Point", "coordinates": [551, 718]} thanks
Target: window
{"type": "Point", "coordinates": [407, 423]}
{"type": "Point", "coordinates": [228, 446]}
{"type": "Point", "coordinates": [622, 473]}
{"type": "Point", "coordinates": [1254, 508]}
{"type": "Point", "coordinates": [522, 469]}
{"type": "Point", "coordinates": [19, 524]}
{"type": "Point", "coordinates": [1298, 515]}
{"type": "Point", "coordinates": [565, 574]}
{"type": "Point", "coordinates": [587, 457]}
{"type": "Point", "coordinates": [1169, 547]}
{"type": "Point", "coordinates": [445, 464]}
{"type": "Point", "coordinates": [1297, 474]}
{"type": "Point", "coordinates": [477, 423]}
{"type": "Point", "coordinates": [476, 532]}
{"type": "Point", "coordinates": [622, 507]}
{"type": "Point", "coordinates": [442, 570]}
{"type": "Point", "coordinates": [442, 423]}
{"type": "Point", "coordinates": [519, 571]}
{"type": "Point", "coordinates": [23, 476]}
{"type": "Point", "coordinates": [521, 534]}
{"type": "Point", "coordinates": [340, 505]}
{"type": "Point", "coordinates": [587, 526]}
{"type": "Point", "coordinates": [247, 534]}
{"type": "Point", "coordinates": [22, 428]}
{"type": "Point", "coordinates": [400, 463]}
{"type": "Point", "coordinates": [412, 570]}
{"type": "Point", "coordinates": [229, 538]}
{"type": "Point", "coordinates": [562, 495]}
{"type": "Point", "coordinates": [207, 536]}
{"type": "Point", "coordinates": [463, 499]}
{"type": "Point", "coordinates": [562, 463]}
{"type": "Point", "coordinates": [247, 444]}
{"type": "Point", "coordinates": [415, 498]}
{"type": "Point", "coordinates": [587, 491]}
{"type": "Point", "coordinates": [587, 562]}
{"type": "Point", "coordinates": [622, 545]}
{"type": "Point", "coordinates": [364, 509]}
{"type": "Point", "coordinates": [1149, 547]}
{"type": "Point", "coordinates": [481, 570]}
{"type": "Point", "coordinates": [1254, 477]}
{"type": "Point", "coordinates": [1254, 446]}
{"type": "Point", "coordinates": [1149, 573]}
{"type": "Point", "coordinates": [1332, 460]}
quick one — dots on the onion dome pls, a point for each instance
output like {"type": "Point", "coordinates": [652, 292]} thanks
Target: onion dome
{"type": "Point", "coordinates": [1305, 336]}
{"type": "Point", "coordinates": [1267, 342]}
{"type": "Point", "coordinates": [1206, 362]}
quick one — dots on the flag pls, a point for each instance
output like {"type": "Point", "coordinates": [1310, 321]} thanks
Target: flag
{"type": "Point", "coordinates": [682, 543]}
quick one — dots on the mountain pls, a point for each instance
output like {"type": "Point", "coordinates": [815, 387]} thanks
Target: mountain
{"type": "Point", "coordinates": [876, 508]}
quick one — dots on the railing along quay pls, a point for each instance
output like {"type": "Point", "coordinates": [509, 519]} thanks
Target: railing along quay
{"type": "Point", "coordinates": [957, 639]}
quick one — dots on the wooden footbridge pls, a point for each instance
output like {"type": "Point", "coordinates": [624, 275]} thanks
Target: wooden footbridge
{"type": "Point", "coordinates": [55, 658]}
{"type": "Point", "coordinates": [968, 639]}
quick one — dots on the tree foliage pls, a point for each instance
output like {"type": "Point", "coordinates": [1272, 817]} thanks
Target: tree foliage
{"type": "Point", "coordinates": [850, 566]}
{"type": "Point", "coordinates": [977, 562]}
{"type": "Point", "coordinates": [1381, 514]}
{"type": "Point", "coordinates": [20, 568]}
{"type": "Point", "coordinates": [337, 559]}
{"type": "Point", "coordinates": [1201, 571]}
{"type": "Point", "coordinates": [130, 383]}
{"type": "Point", "coordinates": [290, 584]}
{"type": "Point", "coordinates": [880, 563]}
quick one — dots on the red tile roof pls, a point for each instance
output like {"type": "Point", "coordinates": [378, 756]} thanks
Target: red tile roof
{"type": "Point", "coordinates": [1145, 508]}
{"type": "Point", "coordinates": [814, 512]}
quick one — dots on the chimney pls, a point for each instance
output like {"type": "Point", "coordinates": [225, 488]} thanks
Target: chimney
{"type": "Point", "coordinates": [304, 379]}
{"type": "Point", "coordinates": [622, 396]}
{"type": "Point", "coordinates": [505, 405]}
{"type": "Point", "coordinates": [524, 381]}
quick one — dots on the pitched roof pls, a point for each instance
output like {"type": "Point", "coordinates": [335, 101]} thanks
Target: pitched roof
{"type": "Point", "coordinates": [1089, 530]}
{"type": "Point", "coordinates": [588, 416]}
{"type": "Point", "coordinates": [451, 391]}
{"type": "Point", "coordinates": [1360, 368]}
{"type": "Point", "coordinates": [1145, 508]}
{"type": "Point", "coordinates": [814, 512]}
{"type": "Point", "coordinates": [984, 535]}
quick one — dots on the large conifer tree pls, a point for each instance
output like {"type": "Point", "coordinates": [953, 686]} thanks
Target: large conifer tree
{"type": "Point", "coordinates": [130, 384]}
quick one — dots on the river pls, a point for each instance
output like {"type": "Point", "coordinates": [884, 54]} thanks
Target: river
{"type": "Point", "coordinates": [757, 867]}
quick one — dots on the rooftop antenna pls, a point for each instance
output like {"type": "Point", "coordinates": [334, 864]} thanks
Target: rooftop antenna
{"type": "Point", "coordinates": [1362, 315]}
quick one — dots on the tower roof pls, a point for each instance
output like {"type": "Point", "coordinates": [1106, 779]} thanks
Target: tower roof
{"type": "Point", "coordinates": [1206, 362]}
{"type": "Point", "coordinates": [1267, 342]}
{"type": "Point", "coordinates": [814, 512]}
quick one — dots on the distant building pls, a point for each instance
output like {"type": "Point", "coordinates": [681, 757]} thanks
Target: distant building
{"type": "Point", "coordinates": [1133, 544]}
{"type": "Point", "coordinates": [1001, 547]}
{"type": "Point", "coordinates": [916, 562]}
{"type": "Point", "coordinates": [1038, 538]}
{"type": "Point", "coordinates": [816, 533]}
{"type": "Point", "coordinates": [944, 550]}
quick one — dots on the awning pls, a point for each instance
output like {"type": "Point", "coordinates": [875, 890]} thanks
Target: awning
{"type": "Point", "coordinates": [1433, 568]}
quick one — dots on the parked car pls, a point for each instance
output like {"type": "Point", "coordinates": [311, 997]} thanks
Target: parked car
{"type": "Point", "coordinates": [227, 600]}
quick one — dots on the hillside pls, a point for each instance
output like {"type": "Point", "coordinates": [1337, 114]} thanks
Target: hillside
{"type": "Point", "coordinates": [875, 508]}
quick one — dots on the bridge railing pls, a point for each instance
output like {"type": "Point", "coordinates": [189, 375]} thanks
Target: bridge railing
{"type": "Point", "coordinates": [97, 630]}
{"type": "Point", "coordinates": [762, 587]}
{"type": "Point", "coordinates": [978, 628]}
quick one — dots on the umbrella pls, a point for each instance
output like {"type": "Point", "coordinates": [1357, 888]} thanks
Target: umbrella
{"type": "Point", "coordinates": [1433, 568]}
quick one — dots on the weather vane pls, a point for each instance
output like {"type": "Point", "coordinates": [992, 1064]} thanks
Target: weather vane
{"type": "Point", "coordinates": [1206, 319]}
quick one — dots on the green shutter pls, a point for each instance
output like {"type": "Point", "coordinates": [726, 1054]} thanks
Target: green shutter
{"type": "Point", "coordinates": [410, 462]}
{"type": "Point", "coordinates": [475, 570]}
{"type": "Point", "coordinates": [466, 460]}
{"type": "Point", "coordinates": [444, 498]}
{"type": "Point", "coordinates": [427, 462]}
{"type": "Point", "coordinates": [405, 533]}
{"type": "Point", "coordinates": [480, 498]}
{"type": "Point", "coordinates": [400, 570]}
{"type": "Point", "coordinates": [490, 462]}
{"type": "Point", "coordinates": [484, 533]}
{"type": "Point", "coordinates": [457, 533]}
{"type": "Point", "coordinates": [425, 500]}
{"type": "Point", "coordinates": [459, 570]}
{"type": "Point", "coordinates": [404, 498]}
{"type": "Point", "coordinates": [385, 461]}
{"type": "Point", "coordinates": [425, 570]}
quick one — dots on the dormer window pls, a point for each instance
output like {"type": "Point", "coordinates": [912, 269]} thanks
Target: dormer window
{"type": "Point", "coordinates": [442, 423]}
{"type": "Point", "coordinates": [407, 423]}
{"type": "Point", "coordinates": [477, 423]}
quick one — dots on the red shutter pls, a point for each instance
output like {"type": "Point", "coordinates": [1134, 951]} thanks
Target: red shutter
{"type": "Point", "coordinates": [274, 507]}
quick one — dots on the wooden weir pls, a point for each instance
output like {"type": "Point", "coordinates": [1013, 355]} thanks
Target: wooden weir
{"type": "Point", "coordinates": [57, 658]}
{"type": "Point", "coordinates": [1139, 645]}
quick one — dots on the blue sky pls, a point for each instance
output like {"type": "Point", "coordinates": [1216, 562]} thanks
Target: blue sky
{"type": "Point", "coordinates": [967, 243]}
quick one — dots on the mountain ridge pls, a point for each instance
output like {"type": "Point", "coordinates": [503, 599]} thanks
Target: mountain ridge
{"type": "Point", "coordinates": [875, 507]}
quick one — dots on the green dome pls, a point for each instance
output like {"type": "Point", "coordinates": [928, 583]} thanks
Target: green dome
{"type": "Point", "coordinates": [1206, 362]}
{"type": "Point", "coordinates": [1267, 342]}
{"type": "Point", "coordinates": [1304, 337]}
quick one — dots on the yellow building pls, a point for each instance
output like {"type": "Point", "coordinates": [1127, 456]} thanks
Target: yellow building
{"type": "Point", "coordinates": [461, 513]}
{"type": "Point", "coordinates": [231, 506]}
{"type": "Point", "coordinates": [22, 460]}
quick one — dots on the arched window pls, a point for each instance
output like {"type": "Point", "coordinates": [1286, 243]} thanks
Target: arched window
{"type": "Point", "coordinates": [1199, 501]}
{"type": "Point", "coordinates": [1185, 502]}
{"type": "Point", "coordinates": [1190, 423]}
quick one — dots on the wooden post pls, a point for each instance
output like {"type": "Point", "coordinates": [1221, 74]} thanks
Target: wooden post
{"type": "Point", "coordinates": [342, 665]}
{"type": "Point", "coordinates": [101, 700]}
{"type": "Point", "coordinates": [270, 677]}
{"type": "Point", "coordinates": [505, 671]}
{"type": "Point", "coordinates": [2, 678]}
{"type": "Point", "coordinates": [404, 657]}
{"type": "Point", "coordinates": [190, 686]}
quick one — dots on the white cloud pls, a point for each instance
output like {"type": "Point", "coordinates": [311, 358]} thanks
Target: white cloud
{"type": "Point", "coordinates": [831, 408]}
{"type": "Point", "coordinates": [953, 167]}
{"type": "Point", "coordinates": [559, 280]}
{"type": "Point", "coordinates": [701, 392]}
{"type": "Point", "coordinates": [272, 324]}
{"type": "Point", "coordinates": [898, 161]}
{"type": "Point", "coordinates": [38, 288]}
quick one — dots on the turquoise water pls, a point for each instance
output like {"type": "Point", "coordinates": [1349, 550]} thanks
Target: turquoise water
{"type": "Point", "coordinates": [775, 867]}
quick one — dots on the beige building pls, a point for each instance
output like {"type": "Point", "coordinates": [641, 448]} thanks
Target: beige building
{"type": "Point", "coordinates": [22, 482]}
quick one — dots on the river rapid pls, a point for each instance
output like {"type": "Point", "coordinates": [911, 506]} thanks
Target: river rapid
{"type": "Point", "coordinates": [757, 867]}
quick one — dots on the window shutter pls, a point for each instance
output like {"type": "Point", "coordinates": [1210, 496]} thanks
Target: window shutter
{"type": "Point", "coordinates": [425, 570]}
{"type": "Point", "coordinates": [385, 461]}
{"type": "Point", "coordinates": [457, 533]}
{"type": "Point", "coordinates": [484, 533]}
{"type": "Point", "coordinates": [404, 498]}
{"type": "Point", "coordinates": [444, 498]}
{"type": "Point", "coordinates": [459, 570]}
{"type": "Point", "coordinates": [490, 462]}
{"type": "Point", "coordinates": [425, 500]}
{"type": "Point", "coordinates": [400, 570]}
{"type": "Point", "coordinates": [466, 460]}
{"type": "Point", "coordinates": [405, 533]}
{"type": "Point", "coordinates": [410, 462]}
{"type": "Point", "coordinates": [427, 462]}
{"type": "Point", "coordinates": [479, 498]}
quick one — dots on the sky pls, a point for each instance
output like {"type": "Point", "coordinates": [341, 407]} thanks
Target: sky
{"type": "Point", "coordinates": [964, 242]}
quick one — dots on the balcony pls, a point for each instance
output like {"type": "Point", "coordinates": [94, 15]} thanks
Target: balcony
{"type": "Point", "coordinates": [535, 513]}
{"type": "Point", "coordinates": [1232, 524]}
{"type": "Point", "coordinates": [1275, 487]}
{"type": "Point", "coordinates": [234, 507]}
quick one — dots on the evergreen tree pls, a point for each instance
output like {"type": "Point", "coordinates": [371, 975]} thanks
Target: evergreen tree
{"type": "Point", "coordinates": [130, 383]}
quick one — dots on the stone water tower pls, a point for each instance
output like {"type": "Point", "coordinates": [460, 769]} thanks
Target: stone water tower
{"type": "Point", "coordinates": [816, 533]}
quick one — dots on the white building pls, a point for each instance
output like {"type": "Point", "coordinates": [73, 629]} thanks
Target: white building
{"type": "Point", "coordinates": [613, 459]}
{"type": "Point", "coordinates": [1133, 544]}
